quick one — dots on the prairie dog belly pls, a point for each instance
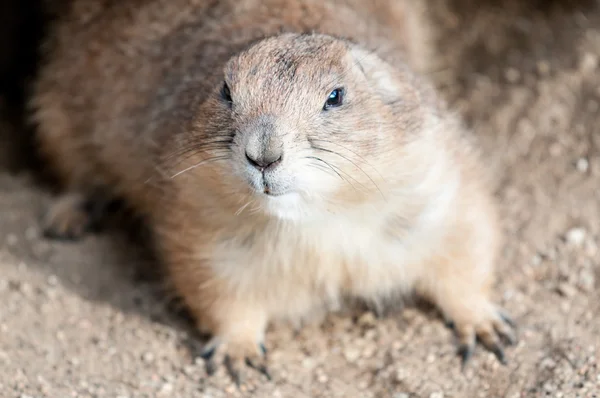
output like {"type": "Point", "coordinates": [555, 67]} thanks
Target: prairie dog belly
{"type": "Point", "coordinates": [293, 269]}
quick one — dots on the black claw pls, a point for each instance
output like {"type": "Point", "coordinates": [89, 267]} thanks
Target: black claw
{"type": "Point", "coordinates": [499, 353]}
{"type": "Point", "coordinates": [506, 318]}
{"type": "Point", "coordinates": [265, 372]}
{"type": "Point", "coordinates": [235, 374]}
{"type": "Point", "coordinates": [465, 351]}
{"type": "Point", "coordinates": [507, 338]}
{"type": "Point", "coordinates": [211, 368]}
{"type": "Point", "coordinates": [263, 349]}
{"type": "Point", "coordinates": [208, 354]}
{"type": "Point", "coordinates": [236, 377]}
{"type": "Point", "coordinates": [260, 368]}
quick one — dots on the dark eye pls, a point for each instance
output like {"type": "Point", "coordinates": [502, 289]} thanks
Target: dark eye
{"type": "Point", "coordinates": [226, 93]}
{"type": "Point", "coordinates": [336, 98]}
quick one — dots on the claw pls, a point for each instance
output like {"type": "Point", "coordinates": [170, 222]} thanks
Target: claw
{"type": "Point", "coordinates": [234, 373]}
{"type": "Point", "coordinates": [208, 353]}
{"type": "Point", "coordinates": [507, 337]}
{"type": "Point", "coordinates": [265, 371]}
{"type": "Point", "coordinates": [499, 353]}
{"type": "Point", "coordinates": [466, 352]}
{"type": "Point", "coordinates": [263, 349]}
{"type": "Point", "coordinates": [261, 368]}
{"type": "Point", "coordinates": [506, 318]}
{"type": "Point", "coordinates": [210, 367]}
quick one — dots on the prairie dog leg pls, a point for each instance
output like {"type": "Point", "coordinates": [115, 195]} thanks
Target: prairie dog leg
{"type": "Point", "coordinates": [74, 214]}
{"type": "Point", "coordinates": [465, 304]}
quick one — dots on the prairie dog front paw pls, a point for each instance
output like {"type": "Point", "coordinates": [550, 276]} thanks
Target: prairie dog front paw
{"type": "Point", "coordinates": [238, 334]}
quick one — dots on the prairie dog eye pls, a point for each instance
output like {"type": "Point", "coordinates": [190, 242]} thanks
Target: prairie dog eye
{"type": "Point", "coordinates": [335, 99]}
{"type": "Point", "coordinates": [226, 93]}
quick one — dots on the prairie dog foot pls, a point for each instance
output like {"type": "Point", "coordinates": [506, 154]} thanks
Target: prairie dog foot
{"type": "Point", "coordinates": [493, 329]}
{"type": "Point", "coordinates": [72, 215]}
{"type": "Point", "coordinates": [476, 318]}
{"type": "Point", "coordinates": [241, 340]}
{"type": "Point", "coordinates": [238, 356]}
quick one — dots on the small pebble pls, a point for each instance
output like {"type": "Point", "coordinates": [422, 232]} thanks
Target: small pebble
{"type": "Point", "coordinates": [12, 239]}
{"type": "Point", "coordinates": [548, 363]}
{"type": "Point", "coordinates": [401, 395]}
{"type": "Point", "coordinates": [308, 363]}
{"type": "Point", "coordinates": [575, 236]}
{"type": "Point", "coordinates": [556, 149]}
{"type": "Point", "coordinates": [31, 233]}
{"type": "Point", "coordinates": [367, 319]}
{"type": "Point", "coordinates": [369, 351]}
{"type": "Point", "coordinates": [591, 248]}
{"type": "Point", "coordinates": [549, 387]}
{"type": "Point", "coordinates": [370, 334]}
{"type": "Point", "coordinates": [166, 388]}
{"type": "Point", "coordinates": [351, 354]}
{"type": "Point", "coordinates": [52, 280]}
{"type": "Point", "coordinates": [587, 280]}
{"type": "Point", "coordinates": [566, 290]}
{"type": "Point", "coordinates": [436, 395]}
{"type": "Point", "coordinates": [512, 75]}
{"type": "Point", "coordinates": [148, 357]}
{"type": "Point", "coordinates": [582, 165]}
{"type": "Point", "coordinates": [589, 62]}
{"type": "Point", "coordinates": [543, 68]}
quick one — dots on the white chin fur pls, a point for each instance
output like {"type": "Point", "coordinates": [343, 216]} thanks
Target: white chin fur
{"type": "Point", "coordinates": [290, 206]}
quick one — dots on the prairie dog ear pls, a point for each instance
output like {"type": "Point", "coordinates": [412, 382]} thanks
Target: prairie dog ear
{"type": "Point", "coordinates": [395, 84]}
{"type": "Point", "coordinates": [391, 83]}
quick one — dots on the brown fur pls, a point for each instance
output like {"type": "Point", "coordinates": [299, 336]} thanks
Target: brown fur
{"type": "Point", "coordinates": [387, 194]}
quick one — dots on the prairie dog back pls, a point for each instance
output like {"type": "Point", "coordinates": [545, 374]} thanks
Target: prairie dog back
{"type": "Point", "coordinates": [286, 155]}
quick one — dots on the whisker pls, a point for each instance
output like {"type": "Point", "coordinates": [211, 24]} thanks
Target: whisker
{"type": "Point", "coordinates": [339, 173]}
{"type": "Point", "coordinates": [200, 147]}
{"type": "Point", "coordinates": [329, 167]}
{"type": "Point", "coordinates": [241, 209]}
{"type": "Point", "coordinates": [354, 153]}
{"type": "Point", "coordinates": [215, 158]}
{"type": "Point", "coordinates": [355, 165]}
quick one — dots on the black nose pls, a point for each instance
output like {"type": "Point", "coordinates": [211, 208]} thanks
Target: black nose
{"type": "Point", "coordinates": [265, 160]}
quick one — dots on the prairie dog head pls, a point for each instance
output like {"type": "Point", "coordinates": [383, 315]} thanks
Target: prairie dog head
{"type": "Point", "coordinates": [305, 125]}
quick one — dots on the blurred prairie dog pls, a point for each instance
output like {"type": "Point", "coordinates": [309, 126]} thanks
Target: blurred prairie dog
{"type": "Point", "coordinates": [285, 155]}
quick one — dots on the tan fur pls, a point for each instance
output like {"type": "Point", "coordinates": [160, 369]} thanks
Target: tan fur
{"type": "Point", "coordinates": [129, 100]}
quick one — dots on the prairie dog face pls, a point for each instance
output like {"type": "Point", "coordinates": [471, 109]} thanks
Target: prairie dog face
{"type": "Point", "coordinates": [314, 124]}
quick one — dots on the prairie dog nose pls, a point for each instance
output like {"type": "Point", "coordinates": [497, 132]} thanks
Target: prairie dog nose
{"type": "Point", "coordinates": [263, 160]}
{"type": "Point", "coordinates": [264, 149]}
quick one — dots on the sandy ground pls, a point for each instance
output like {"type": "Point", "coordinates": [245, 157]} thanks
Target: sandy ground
{"type": "Point", "coordinates": [85, 320]}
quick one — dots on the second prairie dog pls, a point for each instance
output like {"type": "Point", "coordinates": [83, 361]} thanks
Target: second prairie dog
{"type": "Point", "coordinates": [284, 154]}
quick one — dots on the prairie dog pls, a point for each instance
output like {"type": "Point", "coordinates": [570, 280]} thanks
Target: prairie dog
{"type": "Point", "coordinates": [285, 155]}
